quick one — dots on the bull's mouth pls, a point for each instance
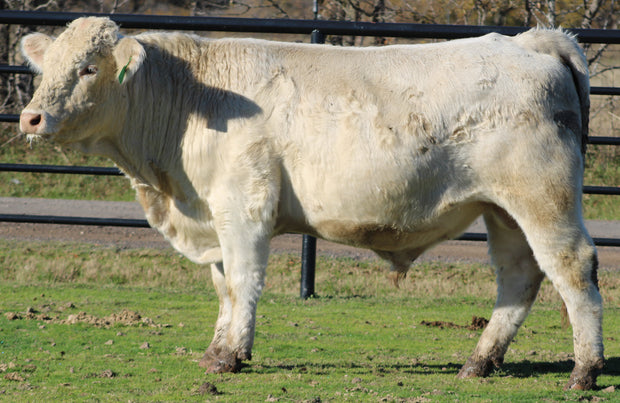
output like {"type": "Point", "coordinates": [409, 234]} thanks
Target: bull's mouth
{"type": "Point", "coordinates": [34, 138]}
{"type": "Point", "coordinates": [57, 138]}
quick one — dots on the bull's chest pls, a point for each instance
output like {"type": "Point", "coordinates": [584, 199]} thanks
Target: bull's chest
{"type": "Point", "coordinates": [186, 225]}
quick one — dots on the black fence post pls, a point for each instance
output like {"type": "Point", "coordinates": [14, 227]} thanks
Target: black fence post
{"type": "Point", "coordinates": [317, 37]}
{"type": "Point", "coordinates": [308, 247]}
{"type": "Point", "coordinates": [308, 266]}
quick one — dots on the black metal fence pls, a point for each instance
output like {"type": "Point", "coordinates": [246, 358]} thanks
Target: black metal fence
{"type": "Point", "coordinates": [317, 29]}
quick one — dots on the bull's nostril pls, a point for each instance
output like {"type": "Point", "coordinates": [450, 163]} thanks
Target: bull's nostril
{"type": "Point", "coordinates": [35, 120]}
{"type": "Point", "coordinates": [32, 123]}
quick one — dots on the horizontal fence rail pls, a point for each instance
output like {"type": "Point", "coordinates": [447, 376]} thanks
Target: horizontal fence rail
{"type": "Point", "coordinates": [4, 68]}
{"type": "Point", "coordinates": [290, 26]}
{"type": "Point", "coordinates": [602, 140]}
{"type": "Point", "coordinates": [9, 69]}
{"type": "Point", "coordinates": [594, 140]}
{"type": "Point", "coordinates": [69, 220]}
{"type": "Point", "coordinates": [88, 170]}
{"type": "Point", "coordinates": [60, 169]}
{"type": "Point", "coordinates": [133, 223]}
{"type": "Point", "coordinates": [604, 91]}
{"type": "Point", "coordinates": [602, 190]}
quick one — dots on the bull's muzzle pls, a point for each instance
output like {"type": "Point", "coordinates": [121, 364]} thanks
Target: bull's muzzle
{"type": "Point", "coordinates": [31, 122]}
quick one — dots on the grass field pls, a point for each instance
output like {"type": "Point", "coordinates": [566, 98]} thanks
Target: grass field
{"type": "Point", "coordinates": [84, 323]}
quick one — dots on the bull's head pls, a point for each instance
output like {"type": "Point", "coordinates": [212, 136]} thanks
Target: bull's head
{"type": "Point", "coordinates": [80, 97]}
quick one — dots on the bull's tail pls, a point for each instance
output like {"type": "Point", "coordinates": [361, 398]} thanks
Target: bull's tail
{"type": "Point", "coordinates": [564, 47]}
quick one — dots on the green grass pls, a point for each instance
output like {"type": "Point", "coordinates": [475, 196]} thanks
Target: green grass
{"type": "Point", "coordinates": [359, 340]}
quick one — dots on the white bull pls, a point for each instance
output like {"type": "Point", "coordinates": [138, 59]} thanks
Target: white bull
{"type": "Point", "coordinates": [230, 142]}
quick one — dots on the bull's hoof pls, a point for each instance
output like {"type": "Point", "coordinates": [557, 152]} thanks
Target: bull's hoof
{"type": "Point", "coordinates": [220, 363]}
{"type": "Point", "coordinates": [584, 379]}
{"type": "Point", "coordinates": [219, 367]}
{"type": "Point", "coordinates": [475, 369]}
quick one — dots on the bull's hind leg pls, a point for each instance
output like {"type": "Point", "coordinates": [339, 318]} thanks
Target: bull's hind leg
{"type": "Point", "coordinates": [568, 257]}
{"type": "Point", "coordinates": [518, 281]}
{"type": "Point", "coordinates": [536, 178]}
{"type": "Point", "coordinates": [552, 223]}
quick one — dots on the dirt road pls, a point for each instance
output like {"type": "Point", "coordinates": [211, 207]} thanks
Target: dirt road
{"type": "Point", "coordinates": [148, 238]}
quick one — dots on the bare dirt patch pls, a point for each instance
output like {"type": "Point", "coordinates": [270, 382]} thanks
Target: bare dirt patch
{"type": "Point", "coordinates": [125, 317]}
{"type": "Point", "coordinates": [477, 323]}
{"type": "Point", "coordinates": [208, 388]}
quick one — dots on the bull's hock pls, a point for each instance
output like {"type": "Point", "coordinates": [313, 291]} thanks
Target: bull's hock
{"type": "Point", "coordinates": [133, 211]}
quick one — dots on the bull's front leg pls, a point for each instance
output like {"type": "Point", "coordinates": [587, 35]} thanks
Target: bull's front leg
{"type": "Point", "coordinates": [239, 282]}
{"type": "Point", "coordinates": [213, 360]}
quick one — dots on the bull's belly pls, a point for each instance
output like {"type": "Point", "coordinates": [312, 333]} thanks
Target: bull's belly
{"type": "Point", "coordinates": [394, 236]}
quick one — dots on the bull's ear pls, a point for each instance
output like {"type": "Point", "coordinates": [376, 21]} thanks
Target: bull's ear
{"type": "Point", "coordinates": [129, 55]}
{"type": "Point", "coordinates": [34, 47]}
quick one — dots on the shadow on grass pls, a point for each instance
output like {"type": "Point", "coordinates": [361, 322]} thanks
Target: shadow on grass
{"type": "Point", "coordinates": [526, 368]}
{"type": "Point", "coordinates": [356, 368]}
{"type": "Point", "coordinates": [523, 369]}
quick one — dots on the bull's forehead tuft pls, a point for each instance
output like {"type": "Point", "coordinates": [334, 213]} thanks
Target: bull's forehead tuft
{"type": "Point", "coordinates": [88, 35]}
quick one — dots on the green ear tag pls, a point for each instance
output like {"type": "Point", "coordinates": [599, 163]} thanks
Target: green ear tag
{"type": "Point", "coordinates": [121, 76]}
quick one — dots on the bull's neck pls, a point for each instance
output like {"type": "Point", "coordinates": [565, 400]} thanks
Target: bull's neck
{"type": "Point", "coordinates": [156, 121]}
{"type": "Point", "coordinates": [171, 95]}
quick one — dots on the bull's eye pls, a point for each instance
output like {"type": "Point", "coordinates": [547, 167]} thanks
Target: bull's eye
{"type": "Point", "coordinates": [89, 70]}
